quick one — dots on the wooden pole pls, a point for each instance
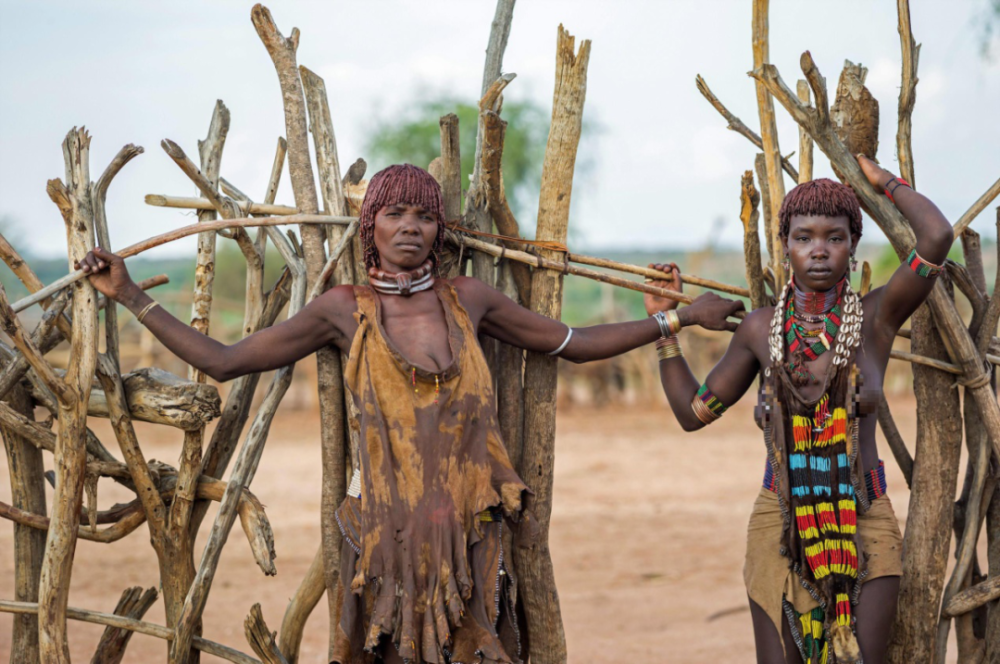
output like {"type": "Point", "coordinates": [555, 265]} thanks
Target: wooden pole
{"type": "Point", "coordinates": [133, 605]}
{"type": "Point", "coordinates": [534, 563]}
{"type": "Point", "coordinates": [74, 201]}
{"type": "Point", "coordinates": [907, 93]}
{"type": "Point", "coordinates": [805, 141]}
{"type": "Point", "coordinates": [749, 215]}
{"type": "Point", "coordinates": [769, 137]}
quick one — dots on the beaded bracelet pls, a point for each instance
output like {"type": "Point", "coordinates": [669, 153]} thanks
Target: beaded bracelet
{"type": "Point", "coordinates": [706, 406]}
{"type": "Point", "coordinates": [921, 267]}
{"type": "Point", "coordinates": [668, 347]}
{"type": "Point", "coordinates": [890, 192]}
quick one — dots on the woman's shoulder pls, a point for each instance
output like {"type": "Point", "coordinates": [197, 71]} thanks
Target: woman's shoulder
{"type": "Point", "coordinates": [757, 322]}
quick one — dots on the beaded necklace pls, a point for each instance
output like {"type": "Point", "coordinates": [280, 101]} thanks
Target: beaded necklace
{"type": "Point", "coordinates": [812, 343]}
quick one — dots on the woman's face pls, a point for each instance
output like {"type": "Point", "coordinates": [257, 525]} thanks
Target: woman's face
{"type": "Point", "coordinates": [819, 249]}
{"type": "Point", "coordinates": [404, 236]}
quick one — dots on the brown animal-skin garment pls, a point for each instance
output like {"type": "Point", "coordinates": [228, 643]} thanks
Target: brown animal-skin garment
{"type": "Point", "coordinates": [423, 568]}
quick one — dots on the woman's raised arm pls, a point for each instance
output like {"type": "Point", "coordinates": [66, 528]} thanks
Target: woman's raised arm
{"type": "Point", "coordinates": [318, 324]}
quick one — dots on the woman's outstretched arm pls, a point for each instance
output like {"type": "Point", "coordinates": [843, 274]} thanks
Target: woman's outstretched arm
{"type": "Point", "coordinates": [729, 379]}
{"type": "Point", "coordinates": [318, 324]}
{"type": "Point", "coordinates": [906, 289]}
{"type": "Point", "coordinates": [503, 319]}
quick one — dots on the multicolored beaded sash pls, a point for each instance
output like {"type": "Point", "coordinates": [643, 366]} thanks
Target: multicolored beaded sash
{"type": "Point", "coordinates": [875, 481]}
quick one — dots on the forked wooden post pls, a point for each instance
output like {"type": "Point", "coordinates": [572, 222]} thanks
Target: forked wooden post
{"type": "Point", "coordinates": [534, 561]}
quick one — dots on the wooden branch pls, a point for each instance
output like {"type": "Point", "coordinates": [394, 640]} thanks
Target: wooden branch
{"type": "Point", "coordinates": [895, 440]}
{"type": "Point", "coordinates": [160, 397]}
{"type": "Point", "coordinates": [655, 274]}
{"type": "Point", "coordinates": [121, 528]}
{"type": "Point", "coordinates": [970, 215]}
{"type": "Point", "coordinates": [972, 598]}
{"type": "Point", "coordinates": [775, 252]}
{"type": "Point", "coordinates": [305, 599]}
{"type": "Point", "coordinates": [735, 124]}
{"type": "Point", "coordinates": [534, 565]}
{"type": "Point", "coordinates": [992, 314]}
{"type": "Point", "coordinates": [177, 234]}
{"type": "Point", "coordinates": [99, 196]}
{"type": "Point", "coordinates": [499, 32]}
{"type": "Point", "coordinates": [133, 604]}
{"type": "Point", "coordinates": [855, 113]}
{"type": "Point", "coordinates": [972, 250]}
{"type": "Point", "coordinates": [749, 215]}
{"type": "Point", "coordinates": [70, 458]}
{"type": "Point", "coordinates": [451, 166]}
{"type": "Point", "coordinates": [491, 182]}
{"type": "Point", "coordinates": [805, 142]}
{"type": "Point", "coordinates": [243, 471]}
{"type": "Point", "coordinates": [12, 328]}
{"type": "Point", "coordinates": [907, 93]}
{"type": "Point", "coordinates": [262, 641]}
{"type": "Point", "coordinates": [332, 263]}
{"type": "Point", "coordinates": [196, 203]}
{"type": "Point", "coordinates": [142, 627]}
{"type": "Point", "coordinates": [769, 136]}
{"type": "Point", "coordinates": [27, 488]}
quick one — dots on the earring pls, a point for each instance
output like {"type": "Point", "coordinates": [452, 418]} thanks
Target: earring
{"type": "Point", "coordinates": [786, 264]}
{"type": "Point", "coordinates": [854, 263]}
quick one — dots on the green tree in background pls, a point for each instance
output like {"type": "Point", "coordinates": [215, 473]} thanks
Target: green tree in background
{"type": "Point", "coordinates": [416, 139]}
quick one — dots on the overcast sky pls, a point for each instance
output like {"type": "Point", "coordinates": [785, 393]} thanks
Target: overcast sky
{"type": "Point", "coordinates": [665, 167]}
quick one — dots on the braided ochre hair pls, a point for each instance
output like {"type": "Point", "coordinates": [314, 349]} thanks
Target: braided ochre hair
{"type": "Point", "coordinates": [404, 184]}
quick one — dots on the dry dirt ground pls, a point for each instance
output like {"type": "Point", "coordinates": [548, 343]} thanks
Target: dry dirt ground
{"type": "Point", "coordinates": [648, 537]}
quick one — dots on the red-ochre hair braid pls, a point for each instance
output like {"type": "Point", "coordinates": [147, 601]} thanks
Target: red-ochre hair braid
{"type": "Point", "coordinates": [402, 184]}
{"type": "Point", "coordinates": [822, 197]}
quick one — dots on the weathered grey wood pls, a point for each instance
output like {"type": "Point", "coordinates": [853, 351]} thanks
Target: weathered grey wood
{"type": "Point", "coordinates": [142, 627]}
{"type": "Point", "coordinates": [99, 196]}
{"type": "Point", "coordinates": [242, 474]}
{"type": "Point", "coordinates": [27, 488]}
{"type": "Point", "coordinates": [928, 526]}
{"type": "Point", "coordinates": [805, 141]}
{"type": "Point", "coordinates": [769, 139]}
{"type": "Point", "coordinates": [261, 640]}
{"type": "Point", "coordinates": [160, 397]}
{"type": "Point", "coordinates": [981, 203]}
{"type": "Point", "coordinates": [896, 443]}
{"type": "Point", "coordinates": [133, 604]}
{"type": "Point", "coordinates": [301, 606]}
{"type": "Point", "coordinates": [749, 215]}
{"type": "Point", "coordinates": [907, 93]}
{"type": "Point", "coordinates": [534, 562]}
{"type": "Point", "coordinates": [73, 200]}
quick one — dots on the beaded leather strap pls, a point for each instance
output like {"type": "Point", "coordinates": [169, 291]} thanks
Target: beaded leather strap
{"type": "Point", "coordinates": [921, 267]}
{"type": "Point", "coordinates": [706, 406]}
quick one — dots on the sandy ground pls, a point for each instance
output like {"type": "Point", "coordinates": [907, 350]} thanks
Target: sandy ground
{"type": "Point", "coordinates": [648, 537]}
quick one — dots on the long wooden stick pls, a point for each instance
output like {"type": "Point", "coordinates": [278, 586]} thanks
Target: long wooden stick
{"type": "Point", "coordinates": [140, 626]}
{"type": "Point", "coordinates": [977, 207]}
{"type": "Point", "coordinates": [201, 203]}
{"type": "Point", "coordinates": [177, 234]}
{"type": "Point", "coordinates": [907, 92]}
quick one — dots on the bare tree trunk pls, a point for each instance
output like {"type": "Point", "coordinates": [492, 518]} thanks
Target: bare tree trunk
{"type": "Point", "coordinates": [805, 140]}
{"type": "Point", "coordinates": [993, 538]}
{"type": "Point", "coordinates": [534, 562]}
{"type": "Point", "coordinates": [929, 524]}
{"type": "Point", "coordinates": [27, 488]}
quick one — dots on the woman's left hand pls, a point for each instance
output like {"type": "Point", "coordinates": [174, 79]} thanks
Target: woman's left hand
{"type": "Point", "coordinates": [656, 303]}
{"type": "Point", "coordinates": [877, 176]}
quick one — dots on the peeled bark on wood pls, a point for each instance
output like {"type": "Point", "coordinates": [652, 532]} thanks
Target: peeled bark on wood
{"type": "Point", "coordinates": [74, 202]}
{"type": "Point", "coordinates": [769, 138]}
{"type": "Point", "coordinates": [451, 167]}
{"type": "Point", "coordinates": [133, 604]}
{"type": "Point", "coordinates": [907, 93]}
{"type": "Point", "coordinates": [160, 397]}
{"type": "Point", "coordinates": [749, 215]}
{"type": "Point", "coordinates": [142, 627]}
{"type": "Point", "coordinates": [775, 252]}
{"type": "Point", "coordinates": [972, 598]}
{"type": "Point", "coordinates": [262, 641]}
{"type": "Point", "coordinates": [329, 379]}
{"type": "Point", "coordinates": [928, 527]}
{"type": "Point", "coordinates": [855, 113]}
{"type": "Point", "coordinates": [805, 142]}
{"type": "Point", "coordinates": [534, 562]}
{"type": "Point", "coordinates": [27, 488]}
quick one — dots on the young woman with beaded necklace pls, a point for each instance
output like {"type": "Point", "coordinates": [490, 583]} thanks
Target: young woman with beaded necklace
{"type": "Point", "coordinates": [821, 526]}
{"type": "Point", "coordinates": [423, 565]}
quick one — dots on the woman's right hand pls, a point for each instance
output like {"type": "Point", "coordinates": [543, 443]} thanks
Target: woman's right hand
{"type": "Point", "coordinates": [107, 273]}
